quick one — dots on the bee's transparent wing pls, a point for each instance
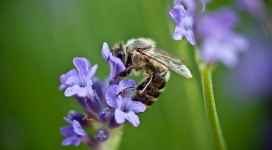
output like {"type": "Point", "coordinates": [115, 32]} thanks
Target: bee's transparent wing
{"type": "Point", "coordinates": [169, 60]}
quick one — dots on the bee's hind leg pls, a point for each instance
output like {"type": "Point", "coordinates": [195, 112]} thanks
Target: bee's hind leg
{"type": "Point", "coordinates": [142, 86]}
{"type": "Point", "coordinates": [139, 89]}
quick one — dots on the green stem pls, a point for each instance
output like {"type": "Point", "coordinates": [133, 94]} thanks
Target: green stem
{"type": "Point", "coordinates": [196, 106]}
{"type": "Point", "coordinates": [218, 138]}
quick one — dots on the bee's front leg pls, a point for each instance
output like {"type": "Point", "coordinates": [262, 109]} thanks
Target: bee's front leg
{"type": "Point", "coordinates": [125, 72]}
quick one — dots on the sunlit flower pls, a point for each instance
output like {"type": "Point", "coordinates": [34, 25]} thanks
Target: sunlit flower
{"type": "Point", "coordinates": [79, 83]}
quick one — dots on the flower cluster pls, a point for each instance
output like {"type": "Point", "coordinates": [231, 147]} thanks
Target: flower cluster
{"type": "Point", "coordinates": [105, 109]}
{"type": "Point", "coordinates": [212, 32]}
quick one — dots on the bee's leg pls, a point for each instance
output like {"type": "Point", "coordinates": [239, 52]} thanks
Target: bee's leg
{"type": "Point", "coordinates": [142, 86]}
{"type": "Point", "coordinates": [125, 72]}
{"type": "Point", "coordinates": [128, 91]}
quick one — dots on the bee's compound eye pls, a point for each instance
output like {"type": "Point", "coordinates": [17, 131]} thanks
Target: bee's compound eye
{"type": "Point", "coordinates": [121, 54]}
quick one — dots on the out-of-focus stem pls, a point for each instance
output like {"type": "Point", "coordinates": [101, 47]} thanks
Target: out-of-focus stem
{"type": "Point", "coordinates": [194, 99]}
{"type": "Point", "coordinates": [218, 137]}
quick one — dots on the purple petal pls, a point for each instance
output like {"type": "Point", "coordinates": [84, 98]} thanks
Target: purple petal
{"type": "Point", "coordinates": [82, 64]}
{"type": "Point", "coordinates": [184, 25]}
{"type": "Point", "coordinates": [177, 34]}
{"type": "Point", "coordinates": [64, 77]}
{"type": "Point", "coordinates": [106, 51]}
{"type": "Point", "coordinates": [68, 120]}
{"type": "Point", "coordinates": [67, 131]}
{"type": "Point", "coordinates": [222, 21]}
{"type": "Point", "coordinates": [133, 118]}
{"type": "Point", "coordinates": [70, 91]}
{"type": "Point", "coordinates": [127, 83]}
{"type": "Point", "coordinates": [120, 116]}
{"type": "Point", "coordinates": [73, 80]}
{"type": "Point", "coordinates": [77, 128]}
{"type": "Point", "coordinates": [117, 66]}
{"type": "Point", "coordinates": [177, 13]}
{"type": "Point", "coordinates": [71, 140]}
{"type": "Point", "coordinates": [91, 74]}
{"type": "Point", "coordinates": [83, 92]}
{"type": "Point", "coordinates": [136, 107]}
{"type": "Point", "coordinates": [110, 96]}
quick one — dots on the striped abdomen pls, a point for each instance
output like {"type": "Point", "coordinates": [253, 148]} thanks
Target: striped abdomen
{"type": "Point", "coordinates": [159, 75]}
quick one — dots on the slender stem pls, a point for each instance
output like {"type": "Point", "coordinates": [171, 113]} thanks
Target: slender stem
{"type": "Point", "coordinates": [196, 106]}
{"type": "Point", "coordinates": [218, 138]}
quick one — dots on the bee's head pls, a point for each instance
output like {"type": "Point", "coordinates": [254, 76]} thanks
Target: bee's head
{"type": "Point", "coordinates": [118, 51]}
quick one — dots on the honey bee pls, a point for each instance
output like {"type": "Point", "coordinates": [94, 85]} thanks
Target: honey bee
{"type": "Point", "coordinates": [138, 54]}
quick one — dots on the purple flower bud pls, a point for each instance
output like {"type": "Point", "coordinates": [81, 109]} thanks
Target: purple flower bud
{"type": "Point", "coordinates": [105, 115]}
{"type": "Point", "coordinates": [93, 103]}
{"type": "Point", "coordinates": [102, 135]}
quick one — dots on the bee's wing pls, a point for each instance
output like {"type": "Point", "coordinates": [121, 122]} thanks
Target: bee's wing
{"type": "Point", "coordinates": [169, 60]}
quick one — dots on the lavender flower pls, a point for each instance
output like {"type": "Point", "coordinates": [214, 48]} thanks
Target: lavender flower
{"type": "Point", "coordinates": [221, 43]}
{"type": "Point", "coordinates": [74, 133]}
{"type": "Point", "coordinates": [116, 65]}
{"type": "Point", "coordinates": [125, 108]}
{"type": "Point", "coordinates": [79, 83]}
{"type": "Point", "coordinates": [184, 20]}
{"type": "Point", "coordinates": [102, 109]}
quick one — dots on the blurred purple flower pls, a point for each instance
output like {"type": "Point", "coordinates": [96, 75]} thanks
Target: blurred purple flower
{"type": "Point", "coordinates": [79, 83]}
{"type": "Point", "coordinates": [74, 133]}
{"type": "Point", "coordinates": [116, 65]}
{"type": "Point", "coordinates": [214, 32]}
{"type": "Point", "coordinates": [192, 5]}
{"type": "Point", "coordinates": [125, 108]}
{"type": "Point", "coordinates": [252, 77]}
{"type": "Point", "coordinates": [252, 6]}
{"type": "Point", "coordinates": [184, 27]}
{"type": "Point", "coordinates": [221, 43]}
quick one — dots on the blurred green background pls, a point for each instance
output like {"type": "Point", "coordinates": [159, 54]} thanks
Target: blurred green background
{"type": "Point", "coordinates": [39, 39]}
